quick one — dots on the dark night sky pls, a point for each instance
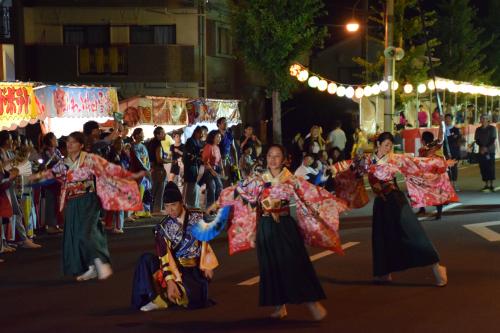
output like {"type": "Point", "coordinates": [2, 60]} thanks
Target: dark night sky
{"type": "Point", "coordinates": [340, 11]}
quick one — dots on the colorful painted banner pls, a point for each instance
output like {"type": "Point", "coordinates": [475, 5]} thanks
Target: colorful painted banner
{"type": "Point", "coordinates": [209, 110]}
{"type": "Point", "coordinates": [77, 102]}
{"type": "Point", "coordinates": [154, 111]}
{"type": "Point", "coordinates": [18, 105]}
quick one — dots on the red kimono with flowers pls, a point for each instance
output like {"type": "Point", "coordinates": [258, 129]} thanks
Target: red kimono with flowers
{"type": "Point", "coordinates": [426, 177]}
{"type": "Point", "coordinates": [112, 186]}
{"type": "Point", "coordinates": [316, 210]}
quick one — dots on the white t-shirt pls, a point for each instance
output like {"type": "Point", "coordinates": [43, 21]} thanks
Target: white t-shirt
{"type": "Point", "coordinates": [303, 171]}
{"type": "Point", "coordinates": [337, 139]}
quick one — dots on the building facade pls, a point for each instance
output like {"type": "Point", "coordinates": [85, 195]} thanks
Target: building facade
{"type": "Point", "coordinates": [144, 47]}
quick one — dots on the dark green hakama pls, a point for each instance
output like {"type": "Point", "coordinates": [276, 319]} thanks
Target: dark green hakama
{"type": "Point", "coordinates": [84, 238]}
{"type": "Point", "coordinates": [286, 273]}
{"type": "Point", "coordinates": [398, 240]}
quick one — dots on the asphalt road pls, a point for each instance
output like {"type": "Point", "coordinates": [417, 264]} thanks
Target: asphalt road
{"type": "Point", "coordinates": [34, 297]}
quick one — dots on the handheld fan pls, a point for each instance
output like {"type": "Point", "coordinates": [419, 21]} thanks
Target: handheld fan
{"type": "Point", "coordinates": [206, 231]}
{"type": "Point", "coordinates": [319, 178]}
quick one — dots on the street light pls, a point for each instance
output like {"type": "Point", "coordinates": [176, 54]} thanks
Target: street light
{"type": "Point", "coordinates": [352, 26]}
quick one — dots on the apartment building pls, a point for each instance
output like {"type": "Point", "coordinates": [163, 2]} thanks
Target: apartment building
{"type": "Point", "coordinates": [144, 47]}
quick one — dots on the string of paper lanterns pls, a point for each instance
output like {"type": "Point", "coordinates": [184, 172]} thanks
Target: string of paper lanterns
{"type": "Point", "coordinates": [348, 90]}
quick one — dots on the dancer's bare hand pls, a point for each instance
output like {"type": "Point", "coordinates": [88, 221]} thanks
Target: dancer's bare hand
{"type": "Point", "coordinates": [173, 292]}
{"type": "Point", "coordinates": [451, 163]}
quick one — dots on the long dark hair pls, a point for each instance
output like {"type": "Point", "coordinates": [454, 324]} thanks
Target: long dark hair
{"type": "Point", "coordinates": [211, 137]}
{"type": "Point", "coordinates": [4, 137]}
{"type": "Point", "coordinates": [47, 139]}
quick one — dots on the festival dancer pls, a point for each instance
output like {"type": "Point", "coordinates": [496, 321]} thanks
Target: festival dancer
{"type": "Point", "coordinates": [87, 178]}
{"type": "Point", "coordinates": [434, 148]}
{"type": "Point", "coordinates": [398, 240]}
{"type": "Point", "coordinates": [180, 271]}
{"type": "Point", "coordinates": [277, 213]}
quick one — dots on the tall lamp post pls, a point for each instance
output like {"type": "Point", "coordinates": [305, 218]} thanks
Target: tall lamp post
{"type": "Point", "coordinates": [389, 67]}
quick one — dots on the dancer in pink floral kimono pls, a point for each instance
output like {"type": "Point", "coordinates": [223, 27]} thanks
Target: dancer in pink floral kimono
{"type": "Point", "coordinates": [278, 213]}
{"type": "Point", "coordinates": [398, 240]}
{"type": "Point", "coordinates": [87, 178]}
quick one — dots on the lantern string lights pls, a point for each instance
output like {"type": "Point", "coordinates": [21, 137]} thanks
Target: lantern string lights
{"type": "Point", "coordinates": [373, 89]}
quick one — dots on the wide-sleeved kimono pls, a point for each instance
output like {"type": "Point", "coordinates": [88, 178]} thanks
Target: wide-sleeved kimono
{"type": "Point", "coordinates": [398, 240]}
{"type": "Point", "coordinates": [278, 215]}
{"type": "Point", "coordinates": [179, 257]}
{"type": "Point", "coordinates": [84, 182]}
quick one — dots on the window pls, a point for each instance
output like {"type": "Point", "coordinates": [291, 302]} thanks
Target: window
{"type": "Point", "coordinates": [224, 41]}
{"type": "Point", "coordinates": [153, 34]}
{"type": "Point", "coordinates": [86, 35]}
{"type": "Point", "coordinates": [102, 60]}
{"type": "Point", "coordinates": [5, 24]}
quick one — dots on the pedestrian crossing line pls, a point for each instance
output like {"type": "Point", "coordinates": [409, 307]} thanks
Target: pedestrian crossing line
{"type": "Point", "coordinates": [482, 230]}
{"type": "Point", "coordinates": [317, 256]}
{"type": "Point", "coordinates": [445, 208]}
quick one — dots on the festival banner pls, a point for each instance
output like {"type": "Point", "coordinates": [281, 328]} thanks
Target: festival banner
{"type": "Point", "coordinates": [77, 102]}
{"type": "Point", "coordinates": [209, 110]}
{"type": "Point", "coordinates": [18, 105]}
{"type": "Point", "coordinates": [154, 111]}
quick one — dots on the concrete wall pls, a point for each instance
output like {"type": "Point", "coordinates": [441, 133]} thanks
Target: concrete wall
{"type": "Point", "coordinates": [44, 25]}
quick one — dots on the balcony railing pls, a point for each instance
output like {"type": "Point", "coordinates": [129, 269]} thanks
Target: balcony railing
{"type": "Point", "coordinates": [138, 63]}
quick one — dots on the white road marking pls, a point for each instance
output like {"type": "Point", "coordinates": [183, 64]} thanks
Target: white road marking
{"type": "Point", "coordinates": [150, 226]}
{"type": "Point", "coordinates": [482, 230]}
{"type": "Point", "coordinates": [445, 208]}
{"type": "Point", "coordinates": [315, 257]}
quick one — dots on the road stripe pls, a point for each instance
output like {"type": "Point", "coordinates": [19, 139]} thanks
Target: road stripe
{"type": "Point", "coordinates": [317, 256]}
{"type": "Point", "coordinates": [482, 230]}
{"type": "Point", "coordinates": [149, 226]}
{"type": "Point", "coordinates": [445, 208]}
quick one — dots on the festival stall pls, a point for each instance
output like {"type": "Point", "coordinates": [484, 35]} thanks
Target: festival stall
{"type": "Point", "coordinates": [67, 108]}
{"type": "Point", "coordinates": [150, 111]}
{"type": "Point", "coordinates": [173, 113]}
{"type": "Point", "coordinates": [19, 105]}
{"type": "Point", "coordinates": [205, 112]}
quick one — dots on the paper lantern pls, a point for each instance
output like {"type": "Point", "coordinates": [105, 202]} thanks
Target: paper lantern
{"type": "Point", "coordinates": [359, 92]}
{"type": "Point", "coordinates": [341, 91]}
{"type": "Point", "coordinates": [322, 85]}
{"type": "Point", "coordinates": [303, 75]}
{"type": "Point", "coordinates": [421, 88]}
{"type": "Point", "coordinates": [408, 88]}
{"type": "Point", "coordinates": [313, 82]}
{"type": "Point", "coordinates": [383, 86]}
{"type": "Point", "coordinates": [332, 88]}
{"type": "Point", "coordinates": [349, 92]}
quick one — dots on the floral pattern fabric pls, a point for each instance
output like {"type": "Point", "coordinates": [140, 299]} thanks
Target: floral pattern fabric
{"type": "Point", "coordinates": [115, 191]}
{"type": "Point", "coordinates": [316, 210]}
{"type": "Point", "coordinates": [426, 179]}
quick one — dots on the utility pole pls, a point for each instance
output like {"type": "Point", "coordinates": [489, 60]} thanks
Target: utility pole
{"type": "Point", "coordinates": [390, 67]}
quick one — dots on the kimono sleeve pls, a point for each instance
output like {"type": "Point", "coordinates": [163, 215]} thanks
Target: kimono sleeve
{"type": "Point", "coordinates": [350, 186]}
{"type": "Point", "coordinates": [243, 220]}
{"type": "Point", "coordinates": [168, 268]}
{"type": "Point", "coordinates": [426, 179]}
{"type": "Point", "coordinates": [318, 213]}
{"type": "Point", "coordinates": [113, 188]}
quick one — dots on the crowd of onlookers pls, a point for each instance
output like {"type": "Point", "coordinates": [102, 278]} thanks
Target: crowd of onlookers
{"type": "Point", "coordinates": [202, 165]}
{"type": "Point", "coordinates": [464, 115]}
